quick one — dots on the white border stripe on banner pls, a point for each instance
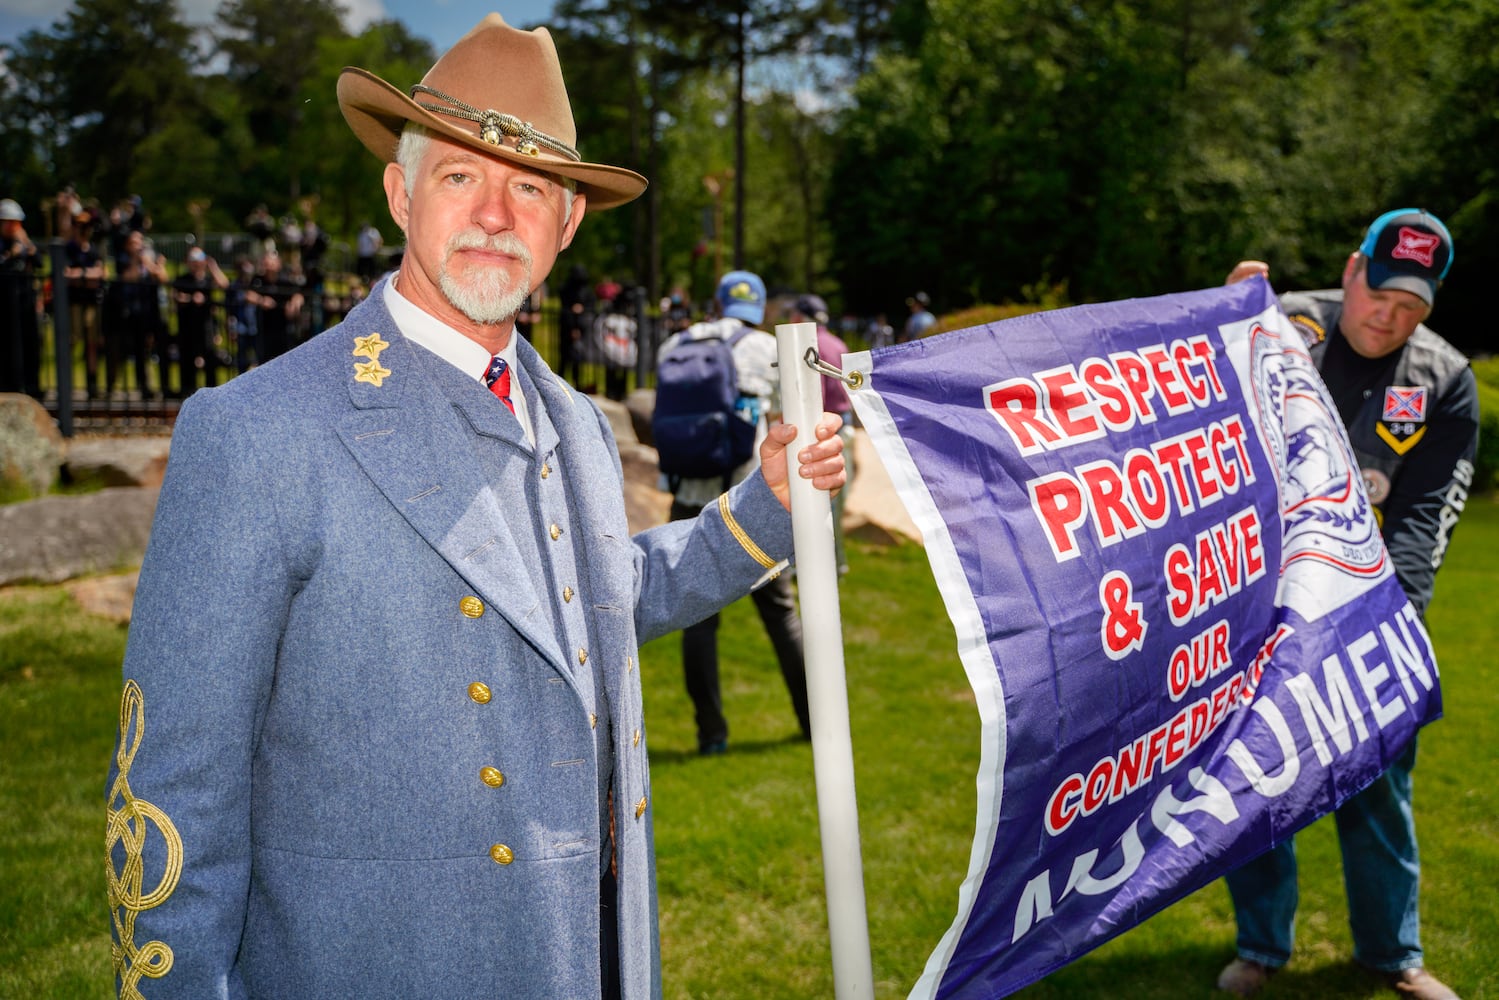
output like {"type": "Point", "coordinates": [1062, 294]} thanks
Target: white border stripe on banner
{"type": "Point", "coordinates": [973, 650]}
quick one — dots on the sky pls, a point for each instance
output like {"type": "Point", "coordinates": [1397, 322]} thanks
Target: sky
{"type": "Point", "coordinates": [442, 22]}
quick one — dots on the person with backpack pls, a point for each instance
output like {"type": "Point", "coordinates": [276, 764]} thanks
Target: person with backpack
{"type": "Point", "coordinates": [716, 388]}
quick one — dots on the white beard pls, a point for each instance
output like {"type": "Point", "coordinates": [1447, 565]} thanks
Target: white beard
{"type": "Point", "coordinates": [486, 295]}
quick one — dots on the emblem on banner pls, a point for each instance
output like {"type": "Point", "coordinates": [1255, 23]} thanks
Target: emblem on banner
{"type": "Point", "coordinates": [1327, 520]}
{"type": "Point", "coordinates": [1403, 421]}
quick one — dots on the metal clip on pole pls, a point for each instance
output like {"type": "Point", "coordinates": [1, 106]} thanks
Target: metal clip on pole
{"type": "Point", "coordinates": [853, 380]}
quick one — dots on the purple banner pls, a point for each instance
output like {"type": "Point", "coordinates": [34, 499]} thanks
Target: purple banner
{"type": "Point", "coordinates": [1171, 599]}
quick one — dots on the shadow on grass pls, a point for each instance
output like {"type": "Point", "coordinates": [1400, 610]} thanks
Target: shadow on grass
{"type": "Point", "coordinates": [737, 748]}
{"type": "Point", "coordinates": [1193, 972]}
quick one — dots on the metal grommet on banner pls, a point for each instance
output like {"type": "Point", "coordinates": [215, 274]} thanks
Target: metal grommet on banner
{"type": "Point", "coordinates": [854, 380]}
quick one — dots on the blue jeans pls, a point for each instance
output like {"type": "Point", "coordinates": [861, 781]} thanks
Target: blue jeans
{"type": "Point", "coordinates": [1381, 875]}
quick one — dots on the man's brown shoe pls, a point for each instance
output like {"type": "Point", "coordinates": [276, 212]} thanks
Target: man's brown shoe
{"type": "Point", "coordinates": [1244, 978]}
{"type": "Point", "coordinates": [1420, 984]}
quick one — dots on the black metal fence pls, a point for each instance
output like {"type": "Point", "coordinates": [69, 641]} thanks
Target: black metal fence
{"type": "Point", "coordinates": [114, 355]}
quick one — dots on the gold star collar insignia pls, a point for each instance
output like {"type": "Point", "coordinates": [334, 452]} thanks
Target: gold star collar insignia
{"type": "Point", "coordinates": [371, 372]}
{"type": "Point", "coordinates": [370, 346]}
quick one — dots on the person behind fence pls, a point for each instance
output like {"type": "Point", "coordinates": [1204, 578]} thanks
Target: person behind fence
{"type": "Point", "coordinates": [84, 271]}
{"type": "Point", "coordinates": [195, 291]}
{"type": "Point", "coordinates": [128, 216]}
{"type": "Point", "coordinates": [1410, 403]}
{"type": "Point", "coordinates": [676, 311]}
{"type": "Point", "coordinates": [314, 277]}
{"type": "Point", "coordinates": [20, 338]}
{"type": "Point", "coordinates": [574, 323]}
{"type": "Point", "coordinates": [530, 311]}
{"type": "Point", "coordinates": [278, 296]}
{"type": "Point", "coordinates": [614, 333]}
{"type": "Point", "coordinates": [381, 731]}
{"type": "Point", "coordinates": [716, 391]}
{"type": "Point", "coordinates": [66, 208]}
{"type": "Point", "coordinates": [831, 348]}
{"type": "Point", "coordinates": [605, 291]}
{"type": "Point", "coordinates": [242, 315]}
{"type": "Point", "coordinates": [261, 225]}
{"type": "Point", "coordinates": [132, 314]}
{"type": "Point", "coordinates": [367, 252]}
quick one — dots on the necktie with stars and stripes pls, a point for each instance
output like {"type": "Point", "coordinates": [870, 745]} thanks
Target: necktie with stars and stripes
{"type": "Point", "coordinates": [497, 377]}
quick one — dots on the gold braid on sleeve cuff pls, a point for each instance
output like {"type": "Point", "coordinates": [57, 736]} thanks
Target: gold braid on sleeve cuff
{"type": "Point", "coordinates": [741, 536]}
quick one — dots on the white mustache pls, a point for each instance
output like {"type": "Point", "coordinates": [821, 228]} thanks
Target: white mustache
{"type": "Point", "coordinates": [506, 243]}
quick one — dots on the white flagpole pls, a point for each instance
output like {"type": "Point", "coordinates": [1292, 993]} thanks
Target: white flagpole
{"type": "Point", "coordinates": [827, 688]}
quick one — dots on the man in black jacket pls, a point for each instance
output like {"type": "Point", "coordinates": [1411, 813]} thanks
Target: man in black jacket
{"type": "Point", "coordinates": [1410, 404]}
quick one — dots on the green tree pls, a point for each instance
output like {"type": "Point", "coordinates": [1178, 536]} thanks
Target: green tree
{"type": "Point", "coordinates": [985, 161]}
{"type": "Point", "coordinates": [272, 47]}
{"type": "Point", "coordinates": [630, 66]}
{"type": "Point", "coordinates": [28, 122]}
{"type": "Point", "coordinates": [1347, 93]}
{"type": "Point", "coordinates": [333, 164]}
{"type": "Point", "coordinates": [604, 58]}
{"type": "Point", "coordinates": [1456, 173]}
{"type": "Point", "coordinates": [107, 77]}
{"type": "Point", "coordinates": [1139, 146]}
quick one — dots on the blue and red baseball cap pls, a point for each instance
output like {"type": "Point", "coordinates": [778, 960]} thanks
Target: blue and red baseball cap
{"type": "Point", "coordinates": [1408, 249]}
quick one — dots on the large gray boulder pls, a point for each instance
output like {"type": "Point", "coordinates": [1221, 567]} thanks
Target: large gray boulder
{"type": "Point", "coordinates": [138, 460]}
{"type": "Point", "coordinates": [640, 404]}
{"type": "Point", "coordinates": [31, 449]}
{"type": "Point", "coordinates": [56, 538]}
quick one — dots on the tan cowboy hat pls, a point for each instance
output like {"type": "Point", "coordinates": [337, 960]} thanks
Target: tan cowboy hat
{"type": "Point", "coordinates": [498, 90]}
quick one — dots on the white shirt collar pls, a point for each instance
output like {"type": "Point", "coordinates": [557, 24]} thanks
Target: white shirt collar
{"type": "Point", "coordinates": [421, 327]}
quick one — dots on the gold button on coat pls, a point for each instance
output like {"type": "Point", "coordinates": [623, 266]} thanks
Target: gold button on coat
{"type": "Point", "coordinates": [593, 720]}
{"type": "Point", "coordinates": [471, 607]}
{"type": "Point", "coordinates": [491, 776]}
{"type": "Point", "coordinates": [479, 691]}
{"type": "Point", "coordinates": [546, 470]}
{"type": "Point", "coordinates": [582, 656]}
{"type": "Point", "coordinates": [556, 532]}
{"type": "Point", "coordinates": [567, 595]}
{"type": "Point", "coordinates": [640, 807]}
{"type": "Point", "coordinates": [637, 737]}
{"type": "Point", "coordinates": [502, 855]}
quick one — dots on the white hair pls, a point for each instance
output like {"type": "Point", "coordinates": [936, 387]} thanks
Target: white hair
{"type": "Point", "coordinates": [412, 148]}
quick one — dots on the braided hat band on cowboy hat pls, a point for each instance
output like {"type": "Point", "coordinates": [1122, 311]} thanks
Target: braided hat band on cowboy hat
{"type": "Point", "coordinates": [498, 90]}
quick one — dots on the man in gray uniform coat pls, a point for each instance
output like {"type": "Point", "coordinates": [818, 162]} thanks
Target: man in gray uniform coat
{"type": "Point", "coordinates": [381, 731]}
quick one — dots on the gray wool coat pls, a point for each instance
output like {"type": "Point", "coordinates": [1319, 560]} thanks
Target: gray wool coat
{"type": "Point", "coordinates": [382, 669]}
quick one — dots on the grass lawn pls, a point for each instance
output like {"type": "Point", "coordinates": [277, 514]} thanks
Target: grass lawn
{"type": "Point", "coordinates": [742, 907]}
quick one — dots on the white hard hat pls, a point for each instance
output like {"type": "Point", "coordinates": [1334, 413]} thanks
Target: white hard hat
{"type": "Point", "coordinates": [10, 211]}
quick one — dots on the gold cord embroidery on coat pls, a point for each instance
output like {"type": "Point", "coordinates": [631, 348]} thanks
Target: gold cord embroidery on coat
{"type": "Point", "coordinates": [741, 536]}
{"type": "Point", "coordinates": [130, 821]}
